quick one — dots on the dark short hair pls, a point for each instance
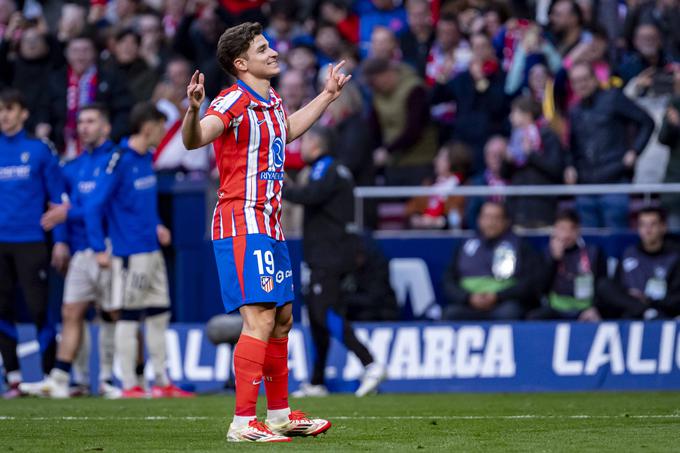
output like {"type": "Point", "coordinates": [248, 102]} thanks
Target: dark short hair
{"type": "Point", "coordinates": [529, 105]}
{"type": "Point", "coordinates": [123, 33]}
{"type": "Point", "coordinates": [234, 43]}
{"type": "Point", "coordinates": [498, 204]}
{"type": "Point", "coordinates": [656, 210]}
{"type": "Point", "coordinates": [568, 215]}
{"type": "Point", "coordinates": [97, 107]}
{"type": "Point", "coordinates": [375, 66]}
{"type": "Point", "coordinates": [575, 9]}
{"type": "Point", "coordinates": [142, 113]}
{"type": "Point", "coordinates": [326, 138]}
{"type": "Point", "coordinates": [460, 156]}
{"type": "Point", "coordinates": [12, 96]}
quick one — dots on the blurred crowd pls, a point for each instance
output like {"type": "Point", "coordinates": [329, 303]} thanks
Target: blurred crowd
{"type": "Point", "coordinates": [482, 92]}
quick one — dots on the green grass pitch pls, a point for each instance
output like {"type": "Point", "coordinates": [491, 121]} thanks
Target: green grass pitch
{"type": "Point", "coordinates": [621, 422]}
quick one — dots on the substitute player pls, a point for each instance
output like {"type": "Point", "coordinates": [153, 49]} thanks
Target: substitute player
{"type": "Point", "coordinates": [249, 129]}
{"type": "Point", "coordinates": [85, 282]}
{"type": "Point", "coordinates": [126, 197]}
{"type": "Point", "coordinates": [29, 178]}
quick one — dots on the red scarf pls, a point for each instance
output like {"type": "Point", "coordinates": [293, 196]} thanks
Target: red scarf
{"type": "Point", "coordinates": [81, 90]}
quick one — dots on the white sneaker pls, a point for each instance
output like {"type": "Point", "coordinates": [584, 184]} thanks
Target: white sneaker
{"type": "Point", "coordinates": [48, 387]}
{"type": "Point", "coordinates": [375, 373]}
{"type": "Point", "coordinates": [254, 432]}
{"type": "Point", "coordinates": [298, 424]}
{"type": "Point", "coordinates": [109, 391]}
{"type": "Point", "coordinates": [306, 390]}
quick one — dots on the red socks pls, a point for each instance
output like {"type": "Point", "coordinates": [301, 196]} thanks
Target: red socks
{"type": "Point", "coordinates": [249, 359]}
{"type": "Point", "coordinates": [276, 373]}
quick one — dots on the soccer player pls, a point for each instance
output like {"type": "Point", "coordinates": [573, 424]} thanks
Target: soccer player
{"type": "Point", "coordinates": [85, 282]}
{"type": "Point", "coordinates": [126, 197]}
{"type": "Point", "coordinates": [249, 129]}
{"type": "Point", "coordinates": [29, 178]}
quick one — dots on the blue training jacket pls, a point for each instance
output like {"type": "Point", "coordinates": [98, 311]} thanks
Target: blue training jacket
{"type": "Point", "coordinates": [126, 196]}
{"type": "Point", "coordinates": [29, 177]}
{"type": "Point", "coordinates": [81, 179]}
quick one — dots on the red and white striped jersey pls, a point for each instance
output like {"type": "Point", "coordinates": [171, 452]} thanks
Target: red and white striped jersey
{"type": "Point", "coordinates": [250, 156]}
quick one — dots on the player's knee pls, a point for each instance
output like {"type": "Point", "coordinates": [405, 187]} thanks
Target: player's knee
{"type": "Point", "coordinates": [261, 326]}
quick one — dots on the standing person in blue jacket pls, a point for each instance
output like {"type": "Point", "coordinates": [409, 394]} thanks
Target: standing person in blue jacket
{"type": "Point", "coordinates": [126, 196]}
{"type": "Point", "coordinates": [29, 178]}
{"type": "Point", "coordinates": [85, 282]}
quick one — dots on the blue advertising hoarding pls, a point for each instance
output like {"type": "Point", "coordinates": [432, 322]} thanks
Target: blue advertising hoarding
{"type": "Point", "coordinates": [449, 357]}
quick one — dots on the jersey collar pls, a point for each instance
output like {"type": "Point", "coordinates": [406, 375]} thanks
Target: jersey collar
{"type": "Point", "coordinates": [243, 85]}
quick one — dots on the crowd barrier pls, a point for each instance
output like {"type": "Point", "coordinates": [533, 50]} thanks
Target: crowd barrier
{"type": "Point", "coordinates": [447, 357]}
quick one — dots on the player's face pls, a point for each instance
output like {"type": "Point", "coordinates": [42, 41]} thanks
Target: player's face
{"type": "Point", "coordinates": [93, 128]}
{"type": "Point", "coordinates": [12, 118]}
{"type": "Point", "coordinates": [156, 132]}
{"type": "Point", "coordinates": [262, 61]}
{"type": "Point", "coordinates": [651, 229]}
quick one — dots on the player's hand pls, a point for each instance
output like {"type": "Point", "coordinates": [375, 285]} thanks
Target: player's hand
{"type": "Point", "coordinates": [61, 255]}
{"type": "Point", "coordinates": [103, 260]}
{"type": "Point", "coordinates": [336, 80]}
{"type": "Point", "coordinates": [55, 214]}
{"type": "Point", "coordinates": [164, 235]}
{"type": "Point", "coordinates": [196, 90]}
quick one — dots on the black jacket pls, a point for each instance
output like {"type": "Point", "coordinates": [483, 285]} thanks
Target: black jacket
{"type": "Point", "coordinates": [328, 202]}
{"type": "Point", "coordinates": [544, 167]}
{"type": "Point", "coordinates": [599, 128]}
{"type": "Point", "coordinates": [524, 289]}
{"type": "Point", "coordinates": [111, 91]}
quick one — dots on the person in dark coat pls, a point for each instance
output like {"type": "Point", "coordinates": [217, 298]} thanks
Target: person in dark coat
{"type": "Point", "coordinates": [599, 151]}
{"type": "Point", "coordinates": [534, 157]}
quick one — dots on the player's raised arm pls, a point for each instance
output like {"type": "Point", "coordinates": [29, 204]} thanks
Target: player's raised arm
{"type": "Point", "coordinates": [304, 118]}
{"type": "Point", "coordinates": [198, 132]}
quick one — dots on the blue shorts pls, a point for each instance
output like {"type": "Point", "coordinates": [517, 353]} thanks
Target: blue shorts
{"type": "Point", "coordinates": [253, 269]}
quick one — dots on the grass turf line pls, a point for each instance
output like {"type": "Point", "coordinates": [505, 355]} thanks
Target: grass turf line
{"type": "Point", "coordinates": [447, 422]}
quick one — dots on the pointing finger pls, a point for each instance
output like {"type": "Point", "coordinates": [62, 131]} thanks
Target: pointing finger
{"type": "Point", "coordinates": [201, 78]}
{"type": "Point", "coordinates": [194, 77]}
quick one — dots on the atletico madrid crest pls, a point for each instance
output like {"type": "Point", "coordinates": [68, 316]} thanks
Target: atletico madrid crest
{"type": "Point", "coordinates": [267, 283]}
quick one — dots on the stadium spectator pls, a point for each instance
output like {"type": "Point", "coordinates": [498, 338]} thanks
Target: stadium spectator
{"type": "Point", "coordinates": [384, 45]}
{"type": "Point", "coordinates": [534, 157]}
{"type": "Point", "coordinates": [647, 52]}
{"type": "Point", "coordinates": [85, 282]}
{"type": "Point", "coordinates": [566, 29]}
{"type": "Point", "coordinates": [338, 13]}
{"type": "Point", "coordinates": [495, 150]}
{"type": "Point", "coordinates": [652, 90]}
{"type": "Point", "coordinates": [154, 48]}
{"type": "Point", "coordinates": [328, 202]}
{"type": "Point", "coordinates": [669, 135]}
{"type": "Point", "coordinates": [29, 178]}
{"type": "Point", "coordinates": [416, 40]}
{"type": "Point", "coordinates": [399, 118]}
{"type": "Point", "coordinates": [283, 30]}
{"type": "Point", "coordinates": [375, 13]}
{"type": "Point", "coordinates": [569, 274]}
{"type": "Point", "coordinates": [170, 97]}
{"type": "Point", "coordinates": [481, 103]}
{"type": "Point", "coordinates": [295, 93]}
{"type": "Point", "coordinates": [647, 280]}
{"type": "Point", "coordinates": [491, 276]}
{"type": "Point", "coordinates": [598, 151]}
{"type": "Point", "coordinates": [664, 14]}
{"type": "Point", "coordinates": [449, 54]}
{"type": "Point", "coordinates": [79, 83]}
{"type": "Point", "coordinates": [329, 44]}
{"type": "Point", "coordinates": [451, 166]}
{"type": "Point", "coordinates": [26, 64]}
{"type": "Point", "coordinates": [125, 200]}
{"type": "Point", "coordinates": [127, 61]}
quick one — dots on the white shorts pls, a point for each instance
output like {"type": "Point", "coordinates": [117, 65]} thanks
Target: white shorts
{"type": "Point", "coordinates": [87, 282]}
{"type": "Point", "coordinates": [140, 281]}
